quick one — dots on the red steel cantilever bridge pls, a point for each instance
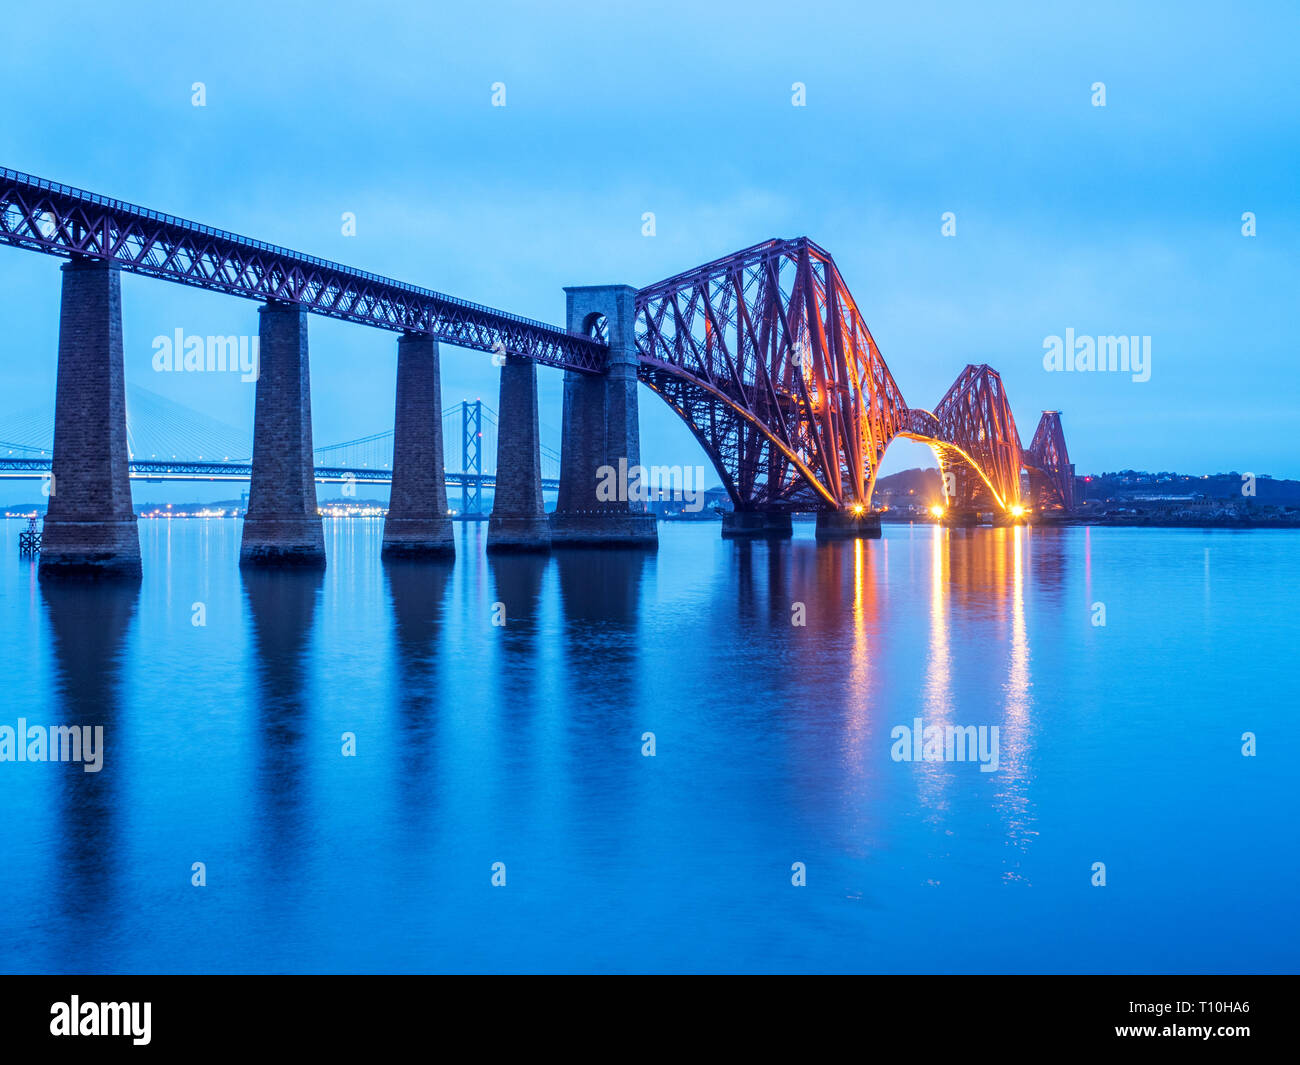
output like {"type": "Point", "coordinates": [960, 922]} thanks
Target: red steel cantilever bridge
{"type": "Point", "coordinates": [764, 353]}
{"type": "Point", "coordinates": [766, 357]}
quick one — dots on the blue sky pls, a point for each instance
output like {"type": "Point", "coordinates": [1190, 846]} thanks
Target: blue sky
{"type": "Point", "coordinates": [1117, 220]}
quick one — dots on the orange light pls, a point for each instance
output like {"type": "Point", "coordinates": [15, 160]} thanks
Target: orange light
{"type": "Point", "coordinates": [858, 508]}
{"type": "Point", "coordinates": [1017, 510]}
{"type": "Point", "coordinates": [937, 510]}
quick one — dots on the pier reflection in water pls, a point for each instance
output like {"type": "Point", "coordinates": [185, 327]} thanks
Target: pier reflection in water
{"type": "Point", "coordinates": [88, 630]}
{"type": "Point", "coordinates": [499, 707]}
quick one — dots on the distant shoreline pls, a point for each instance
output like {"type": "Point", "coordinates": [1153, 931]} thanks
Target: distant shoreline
{"type": "Point", "coordinates": [808, 519]}
{"type": "Point", "coordinates": [1166, 523]}
{"type": "Point", "coordinates": [1139, 523]}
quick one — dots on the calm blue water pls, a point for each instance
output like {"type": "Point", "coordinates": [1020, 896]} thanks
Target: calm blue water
{"type": "Point", "coordinates": [522, 744]}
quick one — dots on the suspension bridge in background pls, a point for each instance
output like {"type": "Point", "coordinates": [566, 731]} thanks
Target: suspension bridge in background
{"type": "Point", "coordinates": [168, 441]}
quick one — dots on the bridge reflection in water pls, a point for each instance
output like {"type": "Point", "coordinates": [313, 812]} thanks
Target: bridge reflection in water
{"type": "Point", "coordinates": [522, 743]}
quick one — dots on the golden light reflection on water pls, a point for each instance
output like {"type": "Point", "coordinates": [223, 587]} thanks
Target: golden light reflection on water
{"type": "Point", "coordinates": [937, 703]}
{"type": "Point", "coordinates": [977, 621]}
{"type": "Point", "coordinates": [858, 725]}
{"type": "Point", "coordinates": [861, 661]}
{"type": "Point", "coordinates": [1013, 775]}
{"type": "Point", "coordinates": [1018, 684]}
{"type": "Point", "coordinates": [864, 608]}
{"type": "Point", "coordinates": [938, 670]}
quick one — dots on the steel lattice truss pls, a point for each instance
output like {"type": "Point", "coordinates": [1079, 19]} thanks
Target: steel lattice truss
{"type": "Point", "coordinates": [766, 358]}
{"type": "Point", "coordinates": [56, 219]}
{"type": "Point", "coordinates": [975, 419]}
{"type": "Point", "coordinates": [1051, 474]}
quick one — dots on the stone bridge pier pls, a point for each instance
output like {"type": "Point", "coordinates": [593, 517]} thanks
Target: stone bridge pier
{"type": "Point", "coordinates": [518, 521]}
{"type": "Point", "coordinates": [90, 526]}
{"type": "Point", "coordinates": [283, 526]}
{"type": "Point", "coordinates": [849, 523]}
{"type": "Point", "coordinates": [757, 525]}
{"type": "Point", "coordinates": [600, 455]}
{"type": "Point", "coordinates": [418, 524]}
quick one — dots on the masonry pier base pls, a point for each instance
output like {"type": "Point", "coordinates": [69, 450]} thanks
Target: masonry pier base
{"type": "Point", "coordinates": [283, 526]}
{"type": "Point", "coordinates": [756, 525]}
{"type": "Point", "coordinates": [418, 524]}
{"type": "Point", "coordinates": [848, 525]}
{"type": "Point", "coordinates": [602, 435]}
{"type": "Point", "coordinates": [518, 521]}
{"type": "Point", "coordinates": [90, 526]}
